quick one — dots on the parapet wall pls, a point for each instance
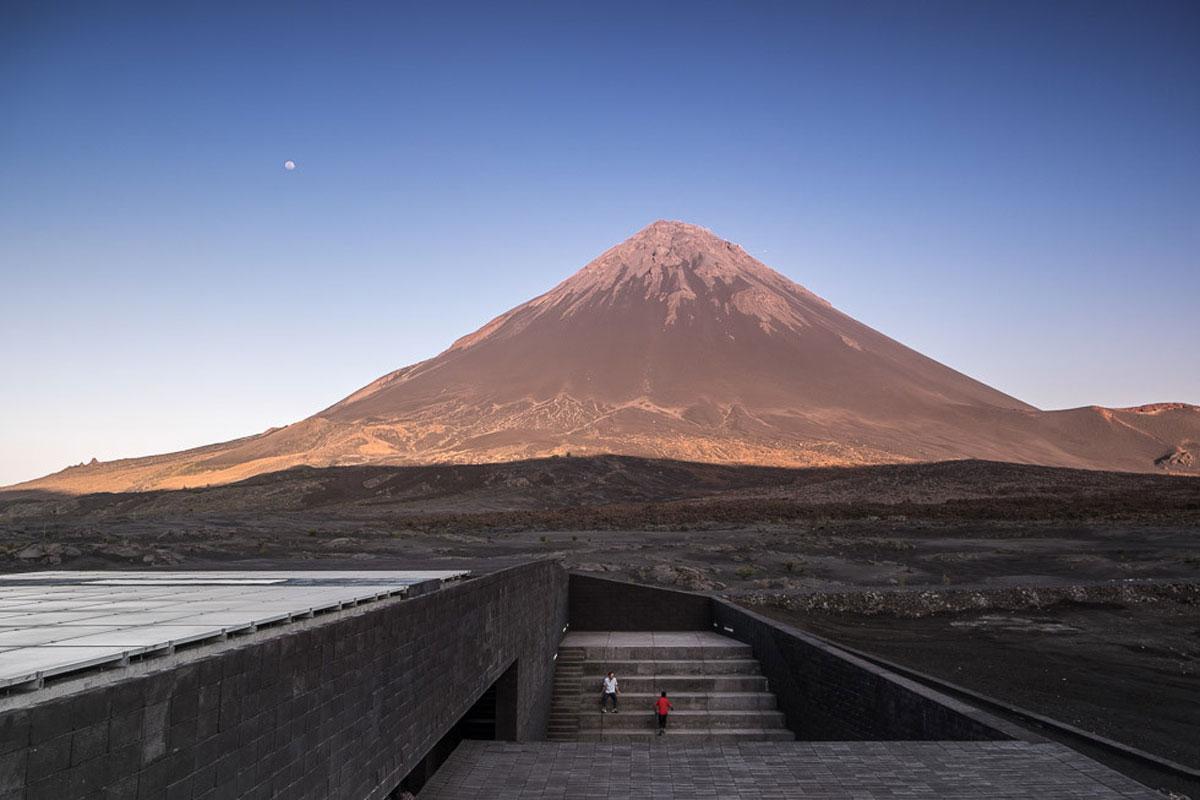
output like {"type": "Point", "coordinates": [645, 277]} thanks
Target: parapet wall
{"type": "Point", "coordinates": [825, 693]}
{"type": "Point", "coordinates": [829, 695]}
{"type": "Point", "coordinates": [339, 707]}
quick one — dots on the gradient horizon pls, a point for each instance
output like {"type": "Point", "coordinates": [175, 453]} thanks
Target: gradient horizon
{"type": "Point", "coordinates": [1011, 188]}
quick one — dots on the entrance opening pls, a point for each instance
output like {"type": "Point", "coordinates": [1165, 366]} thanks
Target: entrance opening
{"type": "Point", "coordinates": [492, 717]}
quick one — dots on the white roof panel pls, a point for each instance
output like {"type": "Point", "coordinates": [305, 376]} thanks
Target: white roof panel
{"type": "Point", "coordinates": [24, 637]}
{"type": "Point", "coordinates": [60, 622]}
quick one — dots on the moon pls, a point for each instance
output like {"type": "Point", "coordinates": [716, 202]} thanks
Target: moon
{"type": "Point", "coordinates": [289, 165]}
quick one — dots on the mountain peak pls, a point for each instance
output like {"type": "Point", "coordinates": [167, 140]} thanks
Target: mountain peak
{"type": "Point", "coordinates": [669, 251]}
{"type": "Point", "coordinates": [675, 227]}
{"type": "Point", "coordinates": [666, 236]}
{"type": "Point", "coordinates": [672, 272]}
{"type": "Point", "coordinates": [678, 344]}
{"type": "Point", "coordinates": [677, 265]}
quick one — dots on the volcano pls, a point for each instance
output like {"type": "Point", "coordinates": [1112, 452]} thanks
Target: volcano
{"type": "Point", "coordinates": [676, 344]}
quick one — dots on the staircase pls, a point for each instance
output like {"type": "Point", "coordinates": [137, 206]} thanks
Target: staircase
{"type": "Point", "coordinates": [564, 709]}
{"type": "Point", "coordinates": [714, 683]}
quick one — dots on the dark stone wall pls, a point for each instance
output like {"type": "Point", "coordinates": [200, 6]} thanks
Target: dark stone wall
{"type": "Point", "coordinates": [829, 695]}
{"type": "Point", "coordinates": [342, 706]}
{"type": "Point", "coordinates": [825, 693]}
{"type": "Point", "coordinates": [601, 604]}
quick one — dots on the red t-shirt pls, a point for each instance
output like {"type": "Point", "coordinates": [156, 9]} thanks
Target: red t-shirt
{"type": "Point", "coordinates": [663, 705]}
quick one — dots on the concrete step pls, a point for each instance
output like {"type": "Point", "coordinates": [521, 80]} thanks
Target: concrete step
{"type": "Point", "coordinates": [643, 684]}
{"type": "Point", "coordinates": [643, 719]}
{"type": "Point", "coordinates": [698, 701]}
{"type": "Point", "coordinates": [563, 725]}
{"type": "Point", "coordinates": [690, 736]}
{"type": "Point", "coordinates": [650, 652]}
{"type": "Point", "coordinates": [715, 684]}
{"type": "Point", "coordinates": [725, 666]}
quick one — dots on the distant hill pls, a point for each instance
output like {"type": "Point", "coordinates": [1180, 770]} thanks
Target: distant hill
{"type": "Point", "coordinates": [676, 344]}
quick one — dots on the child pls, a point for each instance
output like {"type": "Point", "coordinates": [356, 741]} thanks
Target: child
{"type": "Point", "coordinates": [662, 707]}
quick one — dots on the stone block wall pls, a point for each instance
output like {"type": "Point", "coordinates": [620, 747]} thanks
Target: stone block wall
{"type": "Point", "coordinates": [601, 604]}
{"type": "Point", "coordinates": [342, 706]}
{"type": "Point", "coordinates": [827, 694]}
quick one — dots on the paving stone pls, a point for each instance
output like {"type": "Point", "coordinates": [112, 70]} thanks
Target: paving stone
{"type": "Point", "coordinates": [664, 770]}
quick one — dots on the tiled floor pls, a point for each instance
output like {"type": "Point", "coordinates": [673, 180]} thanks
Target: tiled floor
{"type": "Point", "coordinates": [661, 770]}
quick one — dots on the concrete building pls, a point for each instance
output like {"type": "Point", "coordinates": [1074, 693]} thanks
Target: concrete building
{"type": "Point", "coordinates": [365, 685]}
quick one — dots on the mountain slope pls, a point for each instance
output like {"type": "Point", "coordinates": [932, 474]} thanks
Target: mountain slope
{"type": "Point", "coordinates": [676, 344]}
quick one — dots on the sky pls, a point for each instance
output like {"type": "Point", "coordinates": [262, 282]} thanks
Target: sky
{"type": "Point", "coordinates": [1012, 188]}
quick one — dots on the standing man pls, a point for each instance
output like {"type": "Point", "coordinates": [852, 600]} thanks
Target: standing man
{"type": "Point", "coordinates": [610, 693]}
{"type": "Point", "coordinates": [662, 707]}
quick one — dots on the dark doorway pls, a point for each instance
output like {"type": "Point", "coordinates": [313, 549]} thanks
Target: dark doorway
{"type": "Point", "coordinates": [492, 717]}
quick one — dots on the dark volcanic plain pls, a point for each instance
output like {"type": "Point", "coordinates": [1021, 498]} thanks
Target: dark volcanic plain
{"type": "Point", "coordinates": [1067, 591]}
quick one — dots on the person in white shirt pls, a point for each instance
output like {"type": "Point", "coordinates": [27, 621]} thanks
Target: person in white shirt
{"type": "Point", "coordinates": [610, 693]}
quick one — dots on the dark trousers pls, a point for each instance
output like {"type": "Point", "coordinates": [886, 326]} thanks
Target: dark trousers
{"type": "Point", "coordinates": [662, 722]}
{"type": "Point", "coordinates": [609, 696]}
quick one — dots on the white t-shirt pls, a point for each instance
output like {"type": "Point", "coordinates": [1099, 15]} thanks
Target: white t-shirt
{"type": "Point", "coordinates": [610, 685]}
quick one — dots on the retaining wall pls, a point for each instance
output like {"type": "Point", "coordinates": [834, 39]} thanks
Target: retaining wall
{"type": "Point", "coordinates": [339, 707]}
{"type": "Point", "coordinates": [600, 604]}
{"type": "Point", "coordinates": [827, 694]}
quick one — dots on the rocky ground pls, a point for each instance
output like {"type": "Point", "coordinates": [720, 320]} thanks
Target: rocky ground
{"type": "Point", "coordinates": [1004, 578]}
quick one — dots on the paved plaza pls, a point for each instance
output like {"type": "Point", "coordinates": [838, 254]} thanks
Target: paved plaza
{"type": "Point", "coordinates": [662, 770]}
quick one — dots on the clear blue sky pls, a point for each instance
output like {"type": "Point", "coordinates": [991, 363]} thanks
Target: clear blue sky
{"type": "Point", "coordinates": [1012, 188]}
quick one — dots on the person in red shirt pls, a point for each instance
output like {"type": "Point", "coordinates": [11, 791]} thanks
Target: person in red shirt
{"type": "Point", "coordinates": [662, 706]}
